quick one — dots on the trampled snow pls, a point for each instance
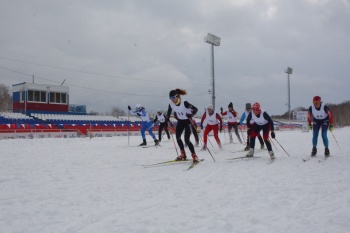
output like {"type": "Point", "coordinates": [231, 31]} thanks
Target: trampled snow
{"type": "Point", "coordinates": [98, 185]}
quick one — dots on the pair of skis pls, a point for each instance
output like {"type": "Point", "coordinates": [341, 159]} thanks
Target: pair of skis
{"type": "Point", "coordinates": [249, 158]}
{"type": "Point", "coordinates": [320, 160]}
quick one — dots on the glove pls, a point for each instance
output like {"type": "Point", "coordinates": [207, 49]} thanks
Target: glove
{"type": "Point", "coordinates": [221, 109]}
{"type": "Point", "coordinates": [238, 123]}
{"type": "Point", "coordinates": [273, 134]}
{"type": "Point", "coordinates": [129, 107]}
{"type": "Point", "coordinates": [220, 130]}
{"type": "Point", "coordinates": [202, 126]}
{"type": "Point", "coordinates": [310, 127]}
{"type": "Point", "coordinates": [171, 124]}
{"type": "Point", "coordinates": [249, 131]}
{"type": "Point", "coordinates": [189, 115]}
{"type": "Point", "coordinates": [331, 127]}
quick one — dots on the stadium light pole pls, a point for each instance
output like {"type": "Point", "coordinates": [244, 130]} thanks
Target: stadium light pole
{"type": "Point", "coordinates": [214, 41]}
{"type": "Point", "coordinates": [288, 71]}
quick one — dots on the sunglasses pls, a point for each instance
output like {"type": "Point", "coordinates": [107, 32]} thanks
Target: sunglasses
{"type": "Point", "coordinates": [315, 102]}
{"type": "Point", "coordinates": [173, 97]}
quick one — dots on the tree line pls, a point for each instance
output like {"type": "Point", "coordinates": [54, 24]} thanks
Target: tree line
{"type": "Point", "coordinates": [341, 113]}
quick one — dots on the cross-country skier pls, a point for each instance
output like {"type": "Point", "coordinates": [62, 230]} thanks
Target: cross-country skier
{"type": "Point", "coordinates": [213, 118]}
{"type": "Point", "coordinates": [163, 124]}
{"type": "Point", "coordinates": [146, 124]}
{"type": "Point", "coordinates": [184, 112]}
{"type": "Point", "coordinates": [232, 122]}
{"type": "Point", "coordinates": [321, 117]}
{"type": "Point", "coordinates": [248, 109]}
{"type": "Point", "coordinates": [262, 121]}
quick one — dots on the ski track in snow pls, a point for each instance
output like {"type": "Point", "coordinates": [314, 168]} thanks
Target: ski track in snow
{"type": "Point", "coordinates": [99, 185]}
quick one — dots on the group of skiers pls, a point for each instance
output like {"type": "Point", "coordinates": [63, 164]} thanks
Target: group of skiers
{"type": "Point", "coordinates": [257, 120]}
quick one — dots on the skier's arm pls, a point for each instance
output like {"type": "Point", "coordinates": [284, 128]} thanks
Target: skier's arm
{"type": "Point", "coordinates": [155, 119]}
{"type": "Point", "coordinates": [218, 117]}
{"type": "Point", "coordinates": [268, 118]}
{"type": "Point", "coordinates": [190, 106]}
{"type": "Point", "coordinates": [169, 112]}
{"type": "Point", "coordinates": [309, 116]}
{"type": "Point", "coordinates": [326, 109]}
{"type": "Point", "coordinates": [242, 118]}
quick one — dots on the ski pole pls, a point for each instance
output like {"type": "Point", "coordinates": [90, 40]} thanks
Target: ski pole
{"type": "Point", "coordinates": [128, 128]}
{"type": "Point", "coordinates": [282, 147]}
{"type": "Point", "coordinates": [241, 133]}
{"type": "Point", "coordinates": [201, 139]}
{"type": "Point", "coordinates": [225, 135]}
{"type": "Point", "coordinates": [272, 142]}
{"type": "Point", "coordinates": [336, 142]}
{"type": "Point", "coordinates": [171, 133]}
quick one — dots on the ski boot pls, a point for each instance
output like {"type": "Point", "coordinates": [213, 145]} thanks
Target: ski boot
{"type": "Point", "coordinates": [194, 157]}
{"type": "Point", "coordinates": [156, 142]}
{"type": "Point", "coordinates": [272, 155]}
{"type": "Point", "coordinates": [204, 148]}
{"type": "Point", "coordinates": [246, 148]}
{"type": "Point", "coordinates": [314, 151]}
{"type": "Point", "coordinates": [144, 143]}
{"type": "Point", "coordinates": [197, 144]}
{"type": "Point", "coordinates": [326, 152]}
{"type": "Point", "coordinates": [262, 146]}
{"type": "Point", "coordinates": [182, 156]}
{"type": "Point", "coordinates": [250, 153]}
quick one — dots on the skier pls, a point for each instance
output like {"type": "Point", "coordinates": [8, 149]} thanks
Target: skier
{"type": "Point", "coordinates": [147, 124]}
{"type": "Point", "coordinates": [232, 122]}
{"type": "Point", "coordinates": [162, 124]}
{"type": "Point", "coordinates": [184, 112]}
{"type": "Point", "coordinates": [262, 121]}
{"type": "Point", "coordinates": [248, 109]}
{"type": "Point", "coordinates": [212, 118]}
{"type": "Point", "coordinates": [321, 117]}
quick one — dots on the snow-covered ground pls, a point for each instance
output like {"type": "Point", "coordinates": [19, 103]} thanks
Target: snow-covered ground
{"type": "Point", "coordinates": [98, 185]}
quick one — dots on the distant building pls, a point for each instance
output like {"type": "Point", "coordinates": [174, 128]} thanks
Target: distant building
{"type": "Point", "coordinates": [40, 98]}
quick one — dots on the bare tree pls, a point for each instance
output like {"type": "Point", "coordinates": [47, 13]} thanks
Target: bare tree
{"type": "Point", "coordinates": [5, 98]}
{"type": "Point", "coordinates": [94, 113]}
{"type": "Point", "coordinates": [341, 113]}
{"type": "Point", "coordinates": [116, 111]}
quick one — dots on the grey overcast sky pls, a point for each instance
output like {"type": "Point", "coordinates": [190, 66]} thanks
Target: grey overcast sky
{"type": "Point", "coordinates": [115, 53]}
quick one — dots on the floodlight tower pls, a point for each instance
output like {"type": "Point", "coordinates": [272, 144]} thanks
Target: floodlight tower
{"type": "Point", "coordinates": [288, 71]}
{"type": "Point", "coordinates": [214, 41]}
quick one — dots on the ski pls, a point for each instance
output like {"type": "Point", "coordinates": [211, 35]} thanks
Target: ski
{"type": "Point", "coordinates": [166, 162]}
{"type": "Point", "coordinates": [256, 151]}
{"type": "Point", "coordinates": [244, 158]}
{"type": "Point", "coordinates": [323, 159]}
{"type": "Point", "coordinates": [150, 146]}
{"type": "Point", "coordinates": [194, 164]}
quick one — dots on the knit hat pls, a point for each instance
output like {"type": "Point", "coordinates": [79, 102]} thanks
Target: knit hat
{"type": "Point", "coordinates": [173, 93]}
{"type": "Point", "coordinates": [230, 105]}
{"type": "Point", "coordinates": [316, 99]}
{"type": "Point", "coordinates": [210, 106]}
{"type": "Point", "coordinates": [248, 106]}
